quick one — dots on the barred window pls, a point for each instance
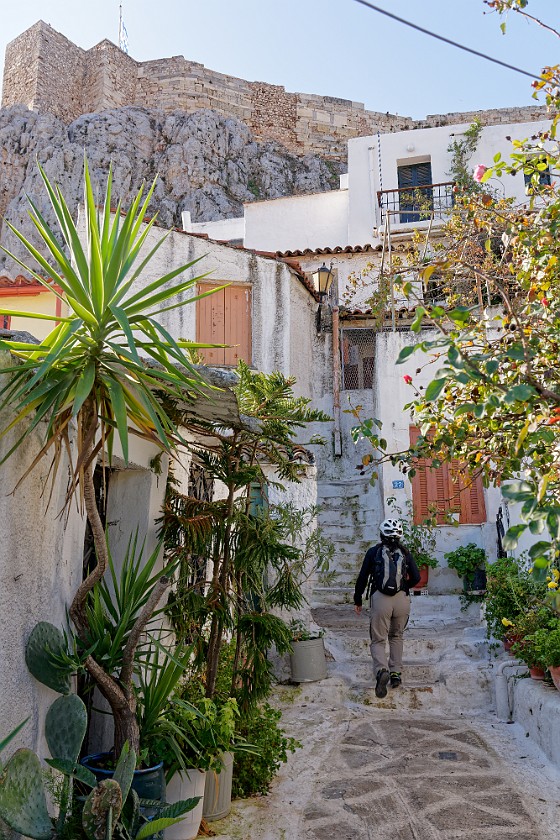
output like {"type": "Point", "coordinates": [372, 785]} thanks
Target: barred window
{"type": "Point", "coordinates": [358, 358]}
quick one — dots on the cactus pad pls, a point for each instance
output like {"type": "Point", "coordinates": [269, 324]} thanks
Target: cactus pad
{"type": "Point", "coordinates": [44, 641]}
{"type": "Point", "coordinates": [106, 796]}
{"type": "Point", "coordinates": [65, 727]}
{"type": "Point", "coordinates": [23, 805]}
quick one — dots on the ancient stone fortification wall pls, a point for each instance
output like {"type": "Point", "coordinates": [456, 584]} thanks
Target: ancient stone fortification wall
{"type": "Point", "coordinates": [48, 73]}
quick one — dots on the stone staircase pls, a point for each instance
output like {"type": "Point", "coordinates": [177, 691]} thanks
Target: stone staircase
{"type": "Point", "coordinates": [349, 517]}
{"type": "Point", "coordinates": [446, 667]}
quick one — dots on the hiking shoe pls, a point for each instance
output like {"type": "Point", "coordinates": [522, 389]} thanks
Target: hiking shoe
{"type": "Point", "coordinates": [381, 683]}
{"type": "Point", "coordinates": [395, 679]}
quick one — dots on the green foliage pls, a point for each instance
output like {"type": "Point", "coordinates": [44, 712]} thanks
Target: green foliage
{"type": "Point", "coordinates": [23, 804]}
{"type": "Point", "coordinates": [102, 810]}
{"type": "Point", "coordinates": [462, 149]}
{"type": "Point", "coordinates": [532, 629]}
{"type": "Point", "coordinates": [510, 591]}
{"type": "Point", "coordinates": [546, 644]}
{"type": "Point", "coordinates": [258, 560]}
{"type": "Point", "coordinates": [300, 633]}
{"type": "Point", "coordinates": [254, 772]}
{"type": "Point", "coordinates": [466, 560]}
{"type": "Point", "coordinates": [65, 728]}
{"type": "Point", "coordinates": [45, 645]}
{"type": "Point", "coordinates": [91, 358]}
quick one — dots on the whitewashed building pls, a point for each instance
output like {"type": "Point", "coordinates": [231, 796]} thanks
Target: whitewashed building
{"type": "Point", "coordinates": [392, 180]}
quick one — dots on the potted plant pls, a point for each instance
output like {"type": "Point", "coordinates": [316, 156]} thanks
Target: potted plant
{"type": "Point", "coordinates": [469, 562]}
{"type": "Point", "coordinates": [88, 374]}
{"type": "Point", "coordinates": [307, 659]}
{"type": "Point", "coordinates": [420, 539]}
{"type": "Point", "coordinates": [525, 645]}
{"type": "Point", "coordinates": [510, 591]}
{"type": "Point", "coordinates": [196, 740]}
{"type": "Point", "coordinates": [549, 643]}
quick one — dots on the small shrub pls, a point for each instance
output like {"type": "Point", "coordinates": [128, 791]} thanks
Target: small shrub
{"type": "Point", "coordinates": [253, 774]}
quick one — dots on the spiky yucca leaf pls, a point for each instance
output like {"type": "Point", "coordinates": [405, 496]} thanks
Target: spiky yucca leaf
{"type": "Point", "coordinates": [110, 355]}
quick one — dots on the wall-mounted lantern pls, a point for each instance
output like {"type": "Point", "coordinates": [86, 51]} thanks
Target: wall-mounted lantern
{"type": "Point", "coordinates": [322, 282]}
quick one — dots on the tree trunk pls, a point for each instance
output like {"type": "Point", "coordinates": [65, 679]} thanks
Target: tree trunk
{"type": "Point", "coordinates": [220, 579]}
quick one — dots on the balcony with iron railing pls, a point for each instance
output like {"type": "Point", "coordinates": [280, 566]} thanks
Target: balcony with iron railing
{"type": "Point", "coordinates": [407, 205]}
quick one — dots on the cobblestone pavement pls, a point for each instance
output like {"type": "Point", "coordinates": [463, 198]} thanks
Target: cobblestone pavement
{"type": "Point", "coordinates": [429, 762]}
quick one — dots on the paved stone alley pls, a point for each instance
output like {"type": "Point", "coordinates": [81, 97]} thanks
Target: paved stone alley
{"type": "Point", "coordinates": [428, 762]}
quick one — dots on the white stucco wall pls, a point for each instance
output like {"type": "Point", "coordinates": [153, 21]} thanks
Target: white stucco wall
{"type": "Point", "coordinates": [373, 162]}
{"type": "Point", "coordinates": [394, 393]}
{"type": "Point", "coordinates": [40, 568]}
{"type": "Point", "coordinates": [298, 222]}
{"type": "Point", "coordinates": [271, 280]}
{"type": "Point", "coordinates": [222, 229]}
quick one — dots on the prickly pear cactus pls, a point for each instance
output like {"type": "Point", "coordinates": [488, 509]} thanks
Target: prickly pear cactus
{"type": "Point", "coordinates": [46, 639]}
{"type": "Point", "coordinates": [105, 797]}
{"type": "Point", "coordinates": [23, 805]}
{"type": "Point", "coordinates": [65, 727]}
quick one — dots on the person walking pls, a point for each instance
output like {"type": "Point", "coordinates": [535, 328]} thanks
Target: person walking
{"type": "Point", "coordinates": [388, 573]}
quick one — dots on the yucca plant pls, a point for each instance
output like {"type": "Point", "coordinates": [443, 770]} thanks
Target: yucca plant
{"type": "Point", "coordinates": [109, 369]}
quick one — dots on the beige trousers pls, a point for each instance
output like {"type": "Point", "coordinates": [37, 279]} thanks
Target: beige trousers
{"type": "Point", "coordinates": [388, 618]}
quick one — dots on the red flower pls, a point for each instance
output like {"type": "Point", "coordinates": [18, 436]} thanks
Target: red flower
{"type": "Point", "coordinates": [545, 302]}
{"type": "Point", "coordinates": [408, 379]}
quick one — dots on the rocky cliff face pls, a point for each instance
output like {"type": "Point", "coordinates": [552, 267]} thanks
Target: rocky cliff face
{"type": "Point", "coordinates": [205, 163]}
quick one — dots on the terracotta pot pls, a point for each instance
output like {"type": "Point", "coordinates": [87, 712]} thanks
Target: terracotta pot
{"type": "Point", "coordinates": [509, 641]}
{"type": "Point", "coordinates": [555, 674]}
{"type": "Point", "coordinates": [536, 673]}
{"type": "Point", "coordinates": [423, 582]}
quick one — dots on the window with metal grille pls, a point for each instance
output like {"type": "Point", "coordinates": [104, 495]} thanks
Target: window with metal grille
{"type": "Point", "coordinates": [415, 191]}
{"type": "Point", "coordinates": [358, 358]}
{"type": "Point", "coordinates": [224, 317]}
{"type": "Point", "coordinates": [447, 488]}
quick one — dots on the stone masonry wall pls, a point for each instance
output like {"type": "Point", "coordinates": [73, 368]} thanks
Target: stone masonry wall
{"type": "Point", "coordinates": [47, 73]}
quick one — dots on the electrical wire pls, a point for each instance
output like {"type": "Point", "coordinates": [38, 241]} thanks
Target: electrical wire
{"type": "Point", "coordinates": [445, 40]}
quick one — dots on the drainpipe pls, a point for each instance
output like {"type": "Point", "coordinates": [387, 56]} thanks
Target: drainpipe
{"type": "Point", "coordinates": [336, 381]}
{"type": "Point", "coordinates": [505, 687]}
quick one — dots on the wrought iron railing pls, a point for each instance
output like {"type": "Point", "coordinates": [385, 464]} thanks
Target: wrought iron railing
{"type": "Point", "coordinates": [416, 204]}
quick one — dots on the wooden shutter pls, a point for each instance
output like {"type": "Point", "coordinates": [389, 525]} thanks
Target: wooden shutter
{"type": "Point", "coordinates": [448, 488]}
{"type": "Point", "coordinates": [225, 318]}
{"type": "Point", "coordinates": [210, 323]}
{"type": "Point", "coordinates": [237, 331]}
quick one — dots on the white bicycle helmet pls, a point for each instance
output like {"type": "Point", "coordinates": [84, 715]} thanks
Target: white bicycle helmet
{"type": "Point", "coordinates": [391, 528]}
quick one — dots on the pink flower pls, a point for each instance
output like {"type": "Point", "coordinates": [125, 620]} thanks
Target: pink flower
{"type": "Point", "coordinates": [479, 172]}
{"type": "Point", "coordinates": [408, 379]}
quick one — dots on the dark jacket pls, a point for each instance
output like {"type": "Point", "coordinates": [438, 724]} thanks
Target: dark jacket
{"type": "Point", "coordinates": [411, 577]}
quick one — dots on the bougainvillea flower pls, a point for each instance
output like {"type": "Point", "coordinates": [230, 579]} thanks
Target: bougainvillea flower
{"type": "Point", "coordinates": [479, 172]}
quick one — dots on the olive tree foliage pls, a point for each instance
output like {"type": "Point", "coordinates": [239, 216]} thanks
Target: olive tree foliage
{"type": "Point", "coordinates": [494, 400]}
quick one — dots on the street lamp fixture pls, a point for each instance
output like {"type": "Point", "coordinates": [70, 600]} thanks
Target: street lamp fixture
{"type": "Point", "coordinates": [322, 282]}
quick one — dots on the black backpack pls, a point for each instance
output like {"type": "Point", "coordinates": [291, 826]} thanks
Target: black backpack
{"type": "Point", "coordinates": [389, 570]}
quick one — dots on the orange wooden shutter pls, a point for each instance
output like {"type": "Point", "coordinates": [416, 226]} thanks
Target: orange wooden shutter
{"type": "Point", "coordinates": [210, 323]}
{"type": "Point", "coordinates": [448, 488]}
{"type": "Point", "coordinates": [225, 318]}
{"type": "Point", "coordinates": [238, 324]}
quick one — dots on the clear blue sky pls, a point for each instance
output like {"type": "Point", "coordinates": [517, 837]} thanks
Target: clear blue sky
{"type": "Point", "coordinates": [329, 47]}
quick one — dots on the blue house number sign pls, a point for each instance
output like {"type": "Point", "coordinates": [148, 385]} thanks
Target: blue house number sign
{"type": "Point", "coordinates": [398, 484]}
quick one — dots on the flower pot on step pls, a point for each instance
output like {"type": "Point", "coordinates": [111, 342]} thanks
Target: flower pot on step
{"type": "Point", "coordinates": [536, 673]}
{"type": "Point", "coordinates": [424, 574]}
{"type": "Point", "coordinates": [555, 674]}
{"type": "Point", "coordinates": [308, 662]}
{"type": "Point", "coordinates": [186, 785]}
{"type": "Point", "coordinates": [217, 790]}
